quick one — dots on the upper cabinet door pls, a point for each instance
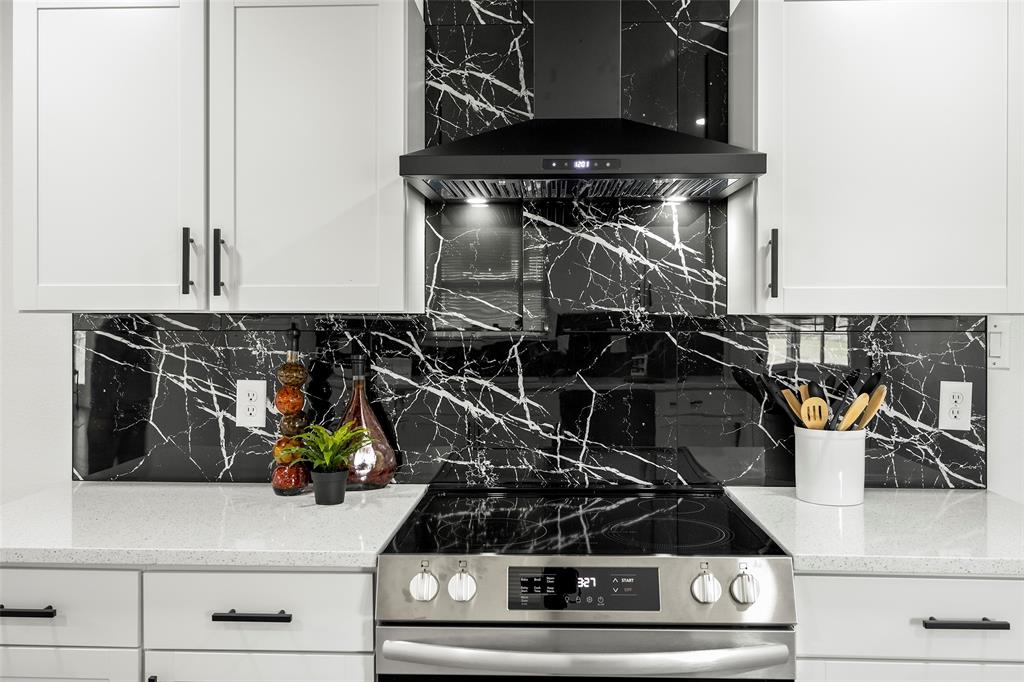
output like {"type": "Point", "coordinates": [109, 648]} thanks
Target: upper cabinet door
{"type": "Point", "coordinates": [108, 154]}
{"type": "Point", "coordinates": [887, 125]}
{"type": "Point", "coordinates": [308, 116]}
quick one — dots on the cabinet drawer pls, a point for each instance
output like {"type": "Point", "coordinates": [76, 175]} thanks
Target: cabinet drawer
{"type": "Point", "coordinates": [90, 608]}
{"type": "Point", "coordinates": [882, 618]}
{"type": "Point", "coordinates": [20, 664]}
{"type": "Point", "coordinates": [328, 611]}
{"type": "Point", "coordinates": [906, 671]}
{"type": "Point", "coordinates": [197, 666]}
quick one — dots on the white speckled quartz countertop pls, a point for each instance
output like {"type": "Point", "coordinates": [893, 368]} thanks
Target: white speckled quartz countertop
{"type": "Point", "coordinates": [199, 524]}
{"type": "Point", "coordinates": [895, 532]}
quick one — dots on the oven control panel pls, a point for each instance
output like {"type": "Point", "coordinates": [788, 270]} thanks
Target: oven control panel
{"type": "Point", "coordinates": [597, 588]}
{"type": "Point", "coordinates": [585, 589]}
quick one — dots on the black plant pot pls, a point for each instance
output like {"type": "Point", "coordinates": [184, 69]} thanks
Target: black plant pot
{"type": "Point", "coordinates": [329, 487]}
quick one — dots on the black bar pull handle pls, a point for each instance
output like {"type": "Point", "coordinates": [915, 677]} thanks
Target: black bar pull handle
{"type": "Point", "coordinates": [151, 678]}
{"type": "Point", "coordinates": [218, 243]}
{"type": "Point", "coordinates": [233, 616]}
{"type": "Point", "coordinates": [47, 612]}
{"type": "Point", "coordinates": [983, 624]}
{"type": "Point", "coordinates": [186, 259]}
{"type": "Point", "coordinates": [773, 285]}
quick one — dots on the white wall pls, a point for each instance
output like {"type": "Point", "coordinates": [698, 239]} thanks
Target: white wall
{"type": "Point", "coordinates": [35, 350]}
{"type": "Point", "coordinates": [1006, 418]}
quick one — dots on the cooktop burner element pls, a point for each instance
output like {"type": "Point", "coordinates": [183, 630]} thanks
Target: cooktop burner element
{"type": "Point", "coordinates": [604, 523]}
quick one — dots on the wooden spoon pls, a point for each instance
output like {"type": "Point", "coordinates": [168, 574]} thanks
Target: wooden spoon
{"type": "Point", "coordinates": [853, 411]}
{"type": "Point", "coordinates": [877, 398]}
{"type": "Point", "coordinates": [792, 401]}
{"type": "Point", "coordinates": [805, 393]}
{"type": "Point", "coordinates": [814, 412]}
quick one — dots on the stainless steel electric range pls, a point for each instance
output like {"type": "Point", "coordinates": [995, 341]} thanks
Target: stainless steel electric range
{"type": "Point", "coordinates": [584, 584]}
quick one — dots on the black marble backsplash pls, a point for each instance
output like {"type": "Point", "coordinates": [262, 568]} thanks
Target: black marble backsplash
{"type": "Point", "coordinates": [587, 402]}
{"type": "Point", "coordinates": [582, 343]}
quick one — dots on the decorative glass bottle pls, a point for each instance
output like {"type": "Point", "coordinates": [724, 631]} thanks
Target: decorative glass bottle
{"type": "Point", "coordinates": [374, 465]}
{"type": "Point", "coordinates": [290, 477]}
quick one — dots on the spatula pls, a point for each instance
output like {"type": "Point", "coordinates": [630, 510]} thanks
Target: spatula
{"type": "Point", "coordinates": [853, 411]}
{"type": "Point", "coordinates": [874, 405]}
{"type": "Point", "coordinates": [814, 412]}
{"type": "Point", "coordinates": [791, 399]}
{"type": "Point", "coordinates": [805, 392]}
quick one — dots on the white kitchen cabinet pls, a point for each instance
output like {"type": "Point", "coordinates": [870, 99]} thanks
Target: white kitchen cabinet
{"type": "Point", "coordinates": [44, 664]}
{"type": "Point", "coordinates": [325, 611]}
{"type": "Point", "coordinates": [311, 104]}
{"type": "Point", "coordinates": [61, 607]}
{"type": "Point", "coordinates": [906, 671]}
{"type": "Point", "coordinates": [194, 666]}
{"type": "Point", "coordinates": [108, 154]}
{"type": "Point", "coordinates": [893, 134]}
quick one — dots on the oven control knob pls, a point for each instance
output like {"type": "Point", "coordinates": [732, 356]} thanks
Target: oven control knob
{"type": "Point", "coordinates": [744, 588]}
{"type": "Point", "coordinates": [705, 588]}
{"type": "Point", "coordinates": [462, 586]}
{"type": "Point", "coordinates": [423, 586]}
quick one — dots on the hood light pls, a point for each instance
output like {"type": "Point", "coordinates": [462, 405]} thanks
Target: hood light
{"type": "Point", "coordinates": [477, 201]}
{"type": "Point", "coordinates": [675, 200]}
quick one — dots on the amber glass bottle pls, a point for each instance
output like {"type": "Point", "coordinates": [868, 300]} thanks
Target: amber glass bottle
{"type": "Point", "coordinates": [374, 465]}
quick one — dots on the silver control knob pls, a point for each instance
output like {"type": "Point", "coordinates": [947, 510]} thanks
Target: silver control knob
{"type": "Point", "coordinates": [744, 588]}
{"type": "Point", "coordinates": [705, 588]}
{"type": "Point", "coordinates": [462, 586]}
{"type": "Point", "coordinates": [423, 586]}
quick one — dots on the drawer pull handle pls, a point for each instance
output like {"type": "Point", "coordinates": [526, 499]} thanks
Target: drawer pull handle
{"type": "Point", "coordinates": [983, 624]}
{"type": "Point", "coordinates": [233, 616]}
{"type": "Point", "coordinates": [48, 612]}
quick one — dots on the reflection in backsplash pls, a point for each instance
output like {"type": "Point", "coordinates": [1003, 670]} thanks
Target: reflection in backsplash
{"type": "Point", "coordinates": [155, 396]}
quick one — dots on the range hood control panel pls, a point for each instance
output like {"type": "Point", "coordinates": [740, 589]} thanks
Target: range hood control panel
{"type": "Point", "coordinates": [581, 164]}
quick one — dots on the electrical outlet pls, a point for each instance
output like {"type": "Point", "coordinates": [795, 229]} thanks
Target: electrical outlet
{"type": "Point", "coordinates": [955, 405]}
{"type": "Point", "coordinates": [251, 403]}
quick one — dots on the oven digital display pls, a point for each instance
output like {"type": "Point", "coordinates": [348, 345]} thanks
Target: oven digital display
{"type": "Point", "coordinates": [583, 589]}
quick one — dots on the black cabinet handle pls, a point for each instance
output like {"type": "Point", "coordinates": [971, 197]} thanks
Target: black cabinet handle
{"type": "Point", "coordinates": [48, 612]}
{"type": "Point", "coordinates": [983, 624]}
{"type": "Point", "coordinates": [151, 678]}
{"type": "Point", "coordinates": [236, 617]}
{"type": "Point", "coordinates": [773, 285]}
{"type": "Point", "coordinates": [186, 259]}
{"type": "Point", "coordinates": [217, 244]}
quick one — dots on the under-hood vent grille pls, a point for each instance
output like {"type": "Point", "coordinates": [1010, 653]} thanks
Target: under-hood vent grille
{"type": "Point", "coordinates": [572, 188]}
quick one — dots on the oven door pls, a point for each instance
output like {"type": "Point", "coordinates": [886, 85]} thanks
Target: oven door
{"type": "Point", "coordinates": [417, 654]}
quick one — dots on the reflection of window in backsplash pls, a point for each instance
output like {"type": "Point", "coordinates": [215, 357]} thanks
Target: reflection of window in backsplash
{"type": "Point", "coordinates": [808, 340]}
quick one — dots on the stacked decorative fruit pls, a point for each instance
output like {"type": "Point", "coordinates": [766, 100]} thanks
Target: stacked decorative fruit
{"type": "Point", "coordinates": [290, 478]}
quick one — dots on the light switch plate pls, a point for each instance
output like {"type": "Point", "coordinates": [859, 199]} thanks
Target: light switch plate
{"type": "Point", "coordinates": [955, 405]}
{"type": "Point", "coordinates": [1000, 328]}
{"type": "Point", "coordinates": [251, 403]}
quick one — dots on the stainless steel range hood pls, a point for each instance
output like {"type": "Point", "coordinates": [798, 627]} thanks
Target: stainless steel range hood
{"type": "Point", "coordinates": [578, 146]}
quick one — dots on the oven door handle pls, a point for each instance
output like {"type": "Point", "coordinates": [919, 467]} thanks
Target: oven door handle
{"type": "Point", "coordinates": [583, 664]}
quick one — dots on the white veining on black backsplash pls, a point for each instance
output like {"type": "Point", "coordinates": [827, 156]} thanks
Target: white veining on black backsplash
{"type": "Point", "coordinates": [577, 403]}
{"type": "Point", "coordinates": [579, 342]}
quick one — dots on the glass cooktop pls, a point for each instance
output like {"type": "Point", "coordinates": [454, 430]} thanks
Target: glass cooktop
{"type": "Point", "coordinates": [469, 521]}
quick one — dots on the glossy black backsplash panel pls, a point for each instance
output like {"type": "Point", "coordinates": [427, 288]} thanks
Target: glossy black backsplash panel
{"type": "Point", "coordinates": [563, 342]}
{"type": "Point", "coordinates": [662, 403]}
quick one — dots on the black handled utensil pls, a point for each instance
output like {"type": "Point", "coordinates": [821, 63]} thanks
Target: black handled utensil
{"type": "Point", "coordinates": [776, 394]}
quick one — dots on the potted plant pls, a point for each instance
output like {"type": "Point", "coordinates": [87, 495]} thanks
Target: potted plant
{"type": "Point", "coordinates": [328, 455]}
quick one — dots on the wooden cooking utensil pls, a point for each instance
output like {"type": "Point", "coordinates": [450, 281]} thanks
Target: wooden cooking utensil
{"type": "Point", "coordinates": [874, 405]}
{"type": "Point", "coordinates": [814, 412]}
{"type": "Point", "coordinates": [853, 411]}
{"type": "Point", "coordinates": [791, 400]}
{"type": "Point", "coordinates": [805, 393]}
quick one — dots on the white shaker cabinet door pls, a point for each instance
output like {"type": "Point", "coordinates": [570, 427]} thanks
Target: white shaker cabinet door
{"type": "Point", "coordinates": [817, 670]}
{"type": "Point", "coordinates": [108, 154]}
{"type": "Point", "coordinates": [197, 666]}
{"type": "Point", "coordinates": [893, 135]}
{"type": "Point", "coordinates": [308, 116]}
{"type": "Point", "coordinates": [46, 664]}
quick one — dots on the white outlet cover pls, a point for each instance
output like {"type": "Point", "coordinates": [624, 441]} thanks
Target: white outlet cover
{"type": "Point", "coordinates": [251, 403]}
{"type": "Point", "coordinates": [955, 405]}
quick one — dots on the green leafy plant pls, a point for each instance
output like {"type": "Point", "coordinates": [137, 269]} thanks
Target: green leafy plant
{"type": "Point", "coordinates": [326, 451]}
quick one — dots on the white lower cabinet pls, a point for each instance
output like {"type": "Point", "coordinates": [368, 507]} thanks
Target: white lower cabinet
{"type": "Point", "coordinates": [873, 628]}
{"type": "Point", "coordinates": [906, 671]}
{"type": "Point", "coordinates": [53, 664]}
{"type": "Point", "coordinates": [204, 666]}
